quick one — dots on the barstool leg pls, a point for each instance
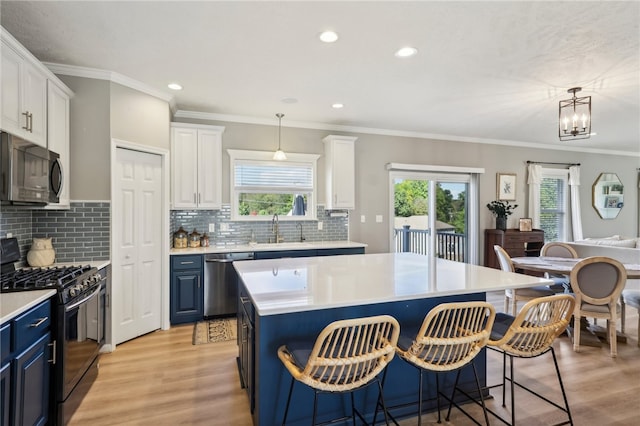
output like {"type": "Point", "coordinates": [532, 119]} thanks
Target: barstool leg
{"type": "Point", "coordinates": [437, 395]}
{"type": "Point", "coordinates": [353, 410]}
{"type": "Point", "coordinates": [384, 406]}
{"type": "Point", "coordinates": [513, 395]}
{"type": "Point", "coordinates": [453, 394]}
{"type": "Point", "coordinates": [484, 408]}
{"type": "Point", "coordinates": [286, 410]}
{"type": "Point", "coordinates": [504, 376]}
{"type": "Point", "coordinates": [564, 395]}
{"type": "Point", "coordinates": [315, 407]}
{"type": "Point", "coordinates": [420, 397]}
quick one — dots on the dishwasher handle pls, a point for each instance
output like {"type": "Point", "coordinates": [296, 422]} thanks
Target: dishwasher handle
{"type": "Point", "coordinates": [219, 260]}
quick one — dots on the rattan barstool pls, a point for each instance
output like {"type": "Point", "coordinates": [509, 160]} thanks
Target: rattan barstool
{"type": "Point", "coordinates": [347, 355]}
{"type": "Point", "coordinates": [528, 335]}
{"type": "Point", "coordinates": [451, 336]}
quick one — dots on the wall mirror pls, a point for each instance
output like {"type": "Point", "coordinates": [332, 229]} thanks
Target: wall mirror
{"type": "Point", "coordinates": [608, 195]}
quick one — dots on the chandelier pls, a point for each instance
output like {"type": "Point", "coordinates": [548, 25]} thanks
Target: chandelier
{"type": "Point", "coordinates": [574, 118]}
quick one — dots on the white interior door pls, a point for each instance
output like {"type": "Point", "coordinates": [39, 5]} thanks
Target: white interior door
{"type": "Point", "coordinates": [137, 228]}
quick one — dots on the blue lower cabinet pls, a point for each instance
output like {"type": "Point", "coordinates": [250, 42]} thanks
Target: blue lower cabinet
{"type": "Point", "coordinates": [26, 367]}
{"type": "Point", "coordinates": [5, 394]}
{"type": "Point", "coordinates": [31, 375]}
{"type": "Point", "coordinates": [187, 290]}
{"type": "Point", "coordinates": [187, 297]}
{"type": "Point", "coordinates": [278, 254]}
{"type": "Point", "coordinates": [339, 251]}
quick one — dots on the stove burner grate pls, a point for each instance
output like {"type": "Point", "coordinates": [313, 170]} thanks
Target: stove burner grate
{"type": "Point", "coordinates": [41, 278]}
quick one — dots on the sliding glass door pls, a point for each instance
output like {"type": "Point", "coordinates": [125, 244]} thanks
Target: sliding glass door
{"type": "Point", "coordinates": [433, 213]}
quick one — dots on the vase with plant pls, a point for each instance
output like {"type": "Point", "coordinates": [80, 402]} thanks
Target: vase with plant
{"type": "Point", "coordinates": [501, 210]}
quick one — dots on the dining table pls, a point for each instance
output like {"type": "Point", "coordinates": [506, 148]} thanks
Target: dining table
{"type": "Point", "coordinates": [563, 266]}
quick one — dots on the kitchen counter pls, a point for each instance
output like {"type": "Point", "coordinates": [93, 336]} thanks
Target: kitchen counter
{"type": "Point", "coordinates": [280, 286]}
{"type": "Point", "coordinates": [293, 299]}
{"type": "Point", "coordinates": [14, 303]}
{"type": "Point", "coordinates": [310, 245]}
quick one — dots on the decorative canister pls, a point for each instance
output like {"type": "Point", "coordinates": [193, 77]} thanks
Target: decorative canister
{"type": "Point", "coordinates": [204, 240]}
{"type": "Point", "coordinates": [41, 253]}
{"type": "Point", "coordinates": [180, 238]}
{"type": "Point", "coordinates": [194, 239]}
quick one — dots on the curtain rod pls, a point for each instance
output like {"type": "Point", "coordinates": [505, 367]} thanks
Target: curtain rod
{"type": "Point", "coordinates": [548, 162]}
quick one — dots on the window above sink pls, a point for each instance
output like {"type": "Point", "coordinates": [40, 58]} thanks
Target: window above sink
{"type": "Point", "coordinates": [262, 187]}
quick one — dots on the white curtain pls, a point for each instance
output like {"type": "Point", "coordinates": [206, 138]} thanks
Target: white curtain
{"type": "Point", "coordinates": [534, 179]}
{"type": "Point", "coordinates": [576, 214]}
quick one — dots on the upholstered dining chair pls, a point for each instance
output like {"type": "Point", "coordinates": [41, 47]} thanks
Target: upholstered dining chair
{"type": "Point", "coordinates": [631, 298]}
{"type": "Point", "coordinates": [597, 283]}
{"type": "Point", "coordinates": [346, 356]}
{"type": "Point", "coordinates": [558, 249]}
{"type": "Point", "coordinates": [451, 336]}
{"type": "Point", "coordinates": [513, 296]}
{"type": "Point", "coordinates": [528, 335]}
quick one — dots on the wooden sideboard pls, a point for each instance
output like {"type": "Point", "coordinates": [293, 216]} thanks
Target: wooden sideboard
{"type": "Point", "coordinates": [515, 243]}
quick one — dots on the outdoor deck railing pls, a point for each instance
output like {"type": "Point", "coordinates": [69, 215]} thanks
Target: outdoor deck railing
{"type": "Point", "coordinates": [449, 245]}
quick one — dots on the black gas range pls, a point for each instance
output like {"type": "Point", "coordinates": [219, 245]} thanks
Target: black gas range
{"type": "Point", "coordinates": [78, 323]}
{"type": "Point", "coordinates": [71, 282]}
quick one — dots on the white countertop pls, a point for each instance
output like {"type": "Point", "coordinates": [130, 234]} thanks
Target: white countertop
{"type": "Point", "coordinates": [311, 245]}
{"type": "Point", "coordinates": [278, 286]}
{"type": "Point", "coordinates": [15, 303]}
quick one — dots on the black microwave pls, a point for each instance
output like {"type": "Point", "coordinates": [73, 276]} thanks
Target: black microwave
{"type": "Point", "coordinates": [30, 174]}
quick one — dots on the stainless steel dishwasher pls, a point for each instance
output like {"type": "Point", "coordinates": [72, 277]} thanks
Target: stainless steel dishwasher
{"type": "Point", "coordinates": [221, 283]}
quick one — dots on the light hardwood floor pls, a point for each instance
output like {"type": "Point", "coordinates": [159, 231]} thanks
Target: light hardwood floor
{"type": "Point", "coordinates": [162, 379]}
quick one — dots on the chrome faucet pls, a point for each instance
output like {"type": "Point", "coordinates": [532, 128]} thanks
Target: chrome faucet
{"type": "Point", "coordinates": [302, 238]}
{"type": "Point", "coordinates": [275, 228]}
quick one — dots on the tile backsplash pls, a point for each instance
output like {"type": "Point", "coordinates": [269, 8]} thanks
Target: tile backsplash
{"type": "Point", "coordinates": [239, 232]}
{"type": "Point", "coordinates": [82, 233]}
{"type": "Point", "coordinates": [79, 234]}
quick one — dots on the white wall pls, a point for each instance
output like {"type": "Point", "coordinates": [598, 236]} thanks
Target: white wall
{"type": "Point", "coordinates": [101, 110]}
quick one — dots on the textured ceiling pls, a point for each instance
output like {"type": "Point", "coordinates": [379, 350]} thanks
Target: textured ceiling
{"type": "Point", "coordinates": [485, 71]}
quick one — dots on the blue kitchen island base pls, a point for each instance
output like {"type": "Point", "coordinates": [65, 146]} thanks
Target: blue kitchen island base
{"type": "Point", "coordinates": [271, 380]}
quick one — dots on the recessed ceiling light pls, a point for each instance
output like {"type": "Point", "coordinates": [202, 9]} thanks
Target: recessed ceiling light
{"type": "Point", "coordinates": [328, 36]}
{"type": "Point", "coordinates": [406, 52]}
{"type": "Point", "coordinates": [289, 100]}
{"type": "Point", "coordinates": [337, 106]}
{"type": "Point", "coordinates": [174, 86]}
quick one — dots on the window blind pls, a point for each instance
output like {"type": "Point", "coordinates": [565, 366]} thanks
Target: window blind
{"type": "Point", "coordinates": [263, 175]}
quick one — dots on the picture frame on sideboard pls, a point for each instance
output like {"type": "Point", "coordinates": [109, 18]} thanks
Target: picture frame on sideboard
{"type": "Point", "coordinates": [525, 224]}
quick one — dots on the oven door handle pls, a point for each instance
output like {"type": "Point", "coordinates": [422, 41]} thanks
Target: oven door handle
{"type": "Point", "coordinates": [80, 302]}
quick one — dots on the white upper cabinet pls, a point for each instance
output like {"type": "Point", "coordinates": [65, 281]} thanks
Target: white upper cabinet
{"type": "Point", "coordinates": [196, 166]}
{"type": "Point", "coordinates": [58, 135]}
{"type": "Point", "coordinates": [339, 152]}
{"type": "Point", "coordinates": [24, 94]}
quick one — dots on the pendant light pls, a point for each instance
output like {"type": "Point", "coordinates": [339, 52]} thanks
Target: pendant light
{"type": "Point", "coordinates": [279, 154]}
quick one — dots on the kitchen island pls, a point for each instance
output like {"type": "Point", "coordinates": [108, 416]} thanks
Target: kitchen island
{"type": "Point", "coordinates": [282, 300]}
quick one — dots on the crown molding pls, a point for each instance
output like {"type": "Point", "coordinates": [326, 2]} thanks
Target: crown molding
{"type": "Point", "coordinates": [114, 77]}
{"type": "Point", "coordinates": [390, 132]}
